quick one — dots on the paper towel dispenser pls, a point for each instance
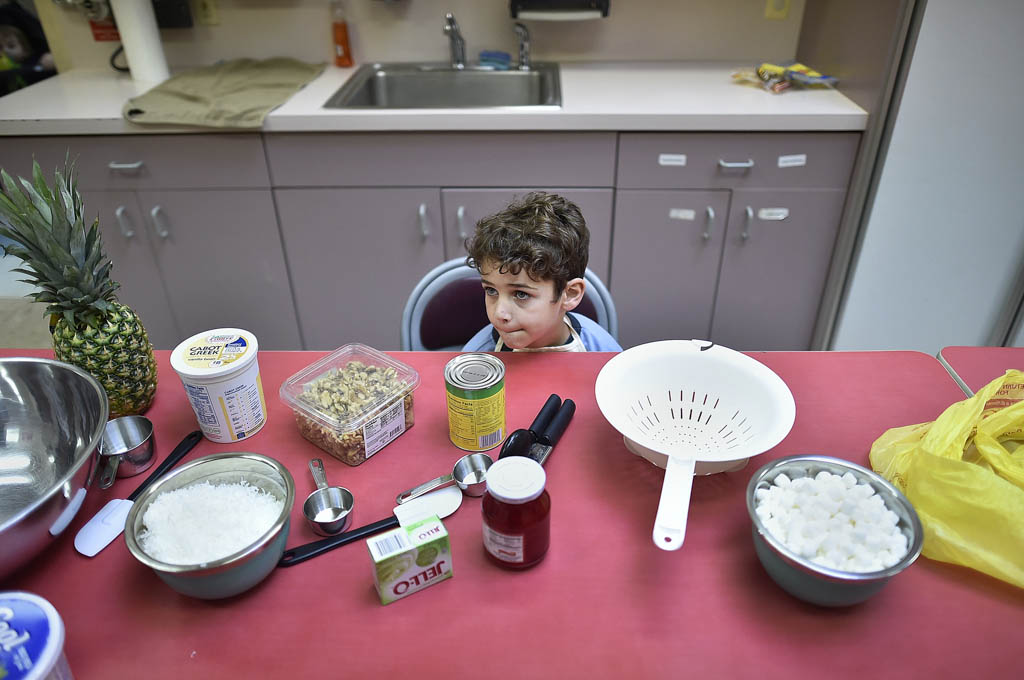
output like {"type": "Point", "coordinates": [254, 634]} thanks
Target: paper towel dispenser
{"type": "Point", "coordinates": [559, 10]}
{"type": "Point", "coordinates": [169, 13]}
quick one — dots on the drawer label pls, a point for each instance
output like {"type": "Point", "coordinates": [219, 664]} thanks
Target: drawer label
{"type": "Point", "coordinates": [794, 161]}
{"type": "Point", "coordinates": [682, 214]}
{"type": "Point", "coordinates": [773, 214]}
{"type": "Point", "coordinates": [677, 159]}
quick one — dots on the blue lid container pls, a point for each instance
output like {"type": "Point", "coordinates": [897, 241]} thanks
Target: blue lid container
{"type": "Point", "coordinates": [31, 639]}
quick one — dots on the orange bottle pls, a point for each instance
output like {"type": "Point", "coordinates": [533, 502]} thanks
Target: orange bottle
{"type": "Point", "coordinates": [342, 50]}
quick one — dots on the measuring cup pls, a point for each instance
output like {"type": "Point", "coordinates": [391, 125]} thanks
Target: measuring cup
{"type": "Point", "coordinates": [126, 448]}
{"type": "Point", "coordinates": [470, 473]}
{"type": "Point", "coordinates": [328, 510]}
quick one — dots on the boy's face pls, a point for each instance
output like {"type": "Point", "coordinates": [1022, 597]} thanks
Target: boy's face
{"type": "Point", "coordinates": [526, 313]}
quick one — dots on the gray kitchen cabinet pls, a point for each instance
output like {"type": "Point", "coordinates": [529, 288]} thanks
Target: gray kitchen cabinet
{"type": "Point", "coordinates": [438, 159]}
{"type": "Point", "coordinates": [127, 239]}
{"type": "Point", "coordinates": [354, 256]}
{"type": "Point", "coordinates": [464, 207]}
{"type": "Point", "coordinates": [668, 247]}
{"type": "Point", "coordinates": [219, 254]}
{"type": "Point", "coordinates": [756, 282]}
{"type": "Point", "coordinates": [776, 256]}
{"type": "Point", "coordinates": [220, 261]}
{"type": "Point", "coordinates": [362, 221]}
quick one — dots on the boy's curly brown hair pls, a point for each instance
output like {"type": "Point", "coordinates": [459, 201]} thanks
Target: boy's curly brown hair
{"type": "Point", "coordinates": [542, 234]}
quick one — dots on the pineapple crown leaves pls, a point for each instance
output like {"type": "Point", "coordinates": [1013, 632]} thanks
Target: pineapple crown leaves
{"type": "Point", "coordinates": [63, 257]}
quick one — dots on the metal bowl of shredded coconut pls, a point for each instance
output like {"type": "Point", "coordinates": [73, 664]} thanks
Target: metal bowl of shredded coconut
{"type": "Point", "coordinates": [216, 526]}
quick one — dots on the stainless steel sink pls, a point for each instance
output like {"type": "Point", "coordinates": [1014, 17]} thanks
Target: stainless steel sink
{"type": "Point", "coordinates": [439, 86]}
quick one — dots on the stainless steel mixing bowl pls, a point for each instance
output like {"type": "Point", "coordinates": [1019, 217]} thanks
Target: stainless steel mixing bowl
{"type": "Point", "coordinates": [812, 582]}
{"type": "Point", "coordinates": [52, 416]}
{"type": "Point", "coordinates": [242, 570]}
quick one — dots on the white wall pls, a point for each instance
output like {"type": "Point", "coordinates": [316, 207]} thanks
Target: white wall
{"type": "Point", "coordinates": [411, 30]}
{"type": "Point", "coordinates": [946, 232]}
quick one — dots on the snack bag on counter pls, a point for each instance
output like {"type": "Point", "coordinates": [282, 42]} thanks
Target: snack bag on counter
{"type": "Point", "coordinates": [779, 78]}
{"type": "Point", "coordinates": [964, 474]}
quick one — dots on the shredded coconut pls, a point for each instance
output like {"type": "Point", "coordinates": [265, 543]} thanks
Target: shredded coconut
{"type": "Point", "coordinates": [205, 522]}
{"type": "Point", "coordinates": [833, 521]}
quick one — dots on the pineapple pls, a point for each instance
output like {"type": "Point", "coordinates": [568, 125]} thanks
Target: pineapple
{"type": "Point", "coordinates": [65, 259]}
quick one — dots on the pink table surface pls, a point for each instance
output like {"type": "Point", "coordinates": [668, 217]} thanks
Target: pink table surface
{"type": "Point", "coordinates": [604, 603]}
{"type": "Point", "coordinates": [975, 367]}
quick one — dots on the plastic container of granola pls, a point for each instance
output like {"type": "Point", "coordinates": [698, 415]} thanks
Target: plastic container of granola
{"type": "Point", "coordinates": [353, 402]}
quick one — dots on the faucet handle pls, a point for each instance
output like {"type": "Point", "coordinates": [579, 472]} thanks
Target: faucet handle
{"type": "Point", "coordinates": [524, 46]}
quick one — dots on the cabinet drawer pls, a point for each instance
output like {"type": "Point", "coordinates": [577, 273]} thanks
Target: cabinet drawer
{"type": "Point", "coordinates": [145, 161]}
{"type": "Point", "coordinates": [736, 160]}
{"type": "Point", "coordinates": [584, 159]}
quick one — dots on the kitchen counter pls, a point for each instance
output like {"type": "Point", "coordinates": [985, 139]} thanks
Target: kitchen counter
{"type": "Point", "coordinates": [595, 96]}
{"type": "Point", "coordinates": [604, 603]}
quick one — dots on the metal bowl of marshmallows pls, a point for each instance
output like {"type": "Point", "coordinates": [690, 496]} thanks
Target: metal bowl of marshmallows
{"type": "Point", "coordinates": [214, 527]}
{"type": "Point", "coordinates": [828, 531]}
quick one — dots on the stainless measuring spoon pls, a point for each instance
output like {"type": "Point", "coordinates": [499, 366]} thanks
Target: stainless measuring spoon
{"type": "Point", "coordinates": [328, 510]}
{"type": "Point", "coordinates": [470, 473]}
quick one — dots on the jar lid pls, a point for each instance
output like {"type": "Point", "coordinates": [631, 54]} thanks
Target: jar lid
{"type": "Point", "coordinates": [215, 354]}
{"type": "Point", "coordinates": [516, 479]}
{"type": "Point", "coordinates": [33, 638]}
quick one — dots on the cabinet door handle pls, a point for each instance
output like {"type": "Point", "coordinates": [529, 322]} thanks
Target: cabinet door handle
{"type": "Point", "coordinates": [157, 213]}
{"type": "Point", "coordinates": [122, 221]}
{"type": "Point", "coordinates": [747, 164]}
{"type": "Point", "coordinates": [460, 219]}
{"type": "Point", "coordinates": [749, 212]}
{"type": "Point", "coordinates": [114, 165]}
{"type": "Point", "coordinates": [424, 222]}
{"type": "Point", "coordinates": [710, 222]}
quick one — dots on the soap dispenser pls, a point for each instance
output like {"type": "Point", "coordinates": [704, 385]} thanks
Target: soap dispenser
{"type": "Point", "coordinates": [339, 27]}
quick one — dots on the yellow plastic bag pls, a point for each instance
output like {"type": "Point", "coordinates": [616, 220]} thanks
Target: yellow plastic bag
{"type": "Point", "coordinates": [964, 474]}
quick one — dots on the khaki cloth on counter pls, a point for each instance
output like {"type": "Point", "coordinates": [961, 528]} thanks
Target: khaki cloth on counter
{"type": "Point", "coordinates": [232, 94]}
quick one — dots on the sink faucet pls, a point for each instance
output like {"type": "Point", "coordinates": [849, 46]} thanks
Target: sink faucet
{"type": "Point", "coordinates": [524, 46]}
{"type": "Point", "coordinates": [455, 42]}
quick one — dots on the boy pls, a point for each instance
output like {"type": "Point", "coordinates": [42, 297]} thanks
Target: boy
{"type": "Point", "coordinates": [532, 257]}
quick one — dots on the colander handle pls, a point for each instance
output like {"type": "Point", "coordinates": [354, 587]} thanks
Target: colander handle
{"type": "Point", "coordinates": [674, 506]}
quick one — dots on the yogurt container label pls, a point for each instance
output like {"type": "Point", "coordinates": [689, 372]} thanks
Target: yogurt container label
{"type": "Point", "coordinates": [214, 351]}
{"type": "Point", "coordinates": [31, 638]}
{"type": "Point", "coordinates": [221, 376]}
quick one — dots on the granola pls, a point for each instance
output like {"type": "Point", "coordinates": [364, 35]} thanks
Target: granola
{"type": "Point", "coordinates": [345, 394]}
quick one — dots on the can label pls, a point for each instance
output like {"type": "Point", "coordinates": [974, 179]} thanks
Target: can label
{"type": "Point", "coordinates": [475, 386]}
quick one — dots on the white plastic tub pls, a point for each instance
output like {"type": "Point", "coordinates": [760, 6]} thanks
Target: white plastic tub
{"type": "Point", "coordinates": [31, 639]}
{"type": "Point", "coordinates": [221, 376]}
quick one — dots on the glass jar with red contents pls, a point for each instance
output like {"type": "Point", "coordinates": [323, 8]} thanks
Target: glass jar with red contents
{"type": "Point", "coordinates": [517, 513]}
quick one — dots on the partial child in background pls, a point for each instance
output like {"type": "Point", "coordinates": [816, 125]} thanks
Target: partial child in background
{"type": "Point", "coordinates": [532, 257]}
{"type": "Point", "coordinates": [24, 55]}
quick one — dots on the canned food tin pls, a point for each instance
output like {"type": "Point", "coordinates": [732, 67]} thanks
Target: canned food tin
{"type": "Point", "coordinates": [475, 385]}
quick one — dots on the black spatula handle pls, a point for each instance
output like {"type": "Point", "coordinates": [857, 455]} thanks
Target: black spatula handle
{"type": "Point", "coordinates": [308, 551]}
{"type": "Point", "coordinates": [186, 445]}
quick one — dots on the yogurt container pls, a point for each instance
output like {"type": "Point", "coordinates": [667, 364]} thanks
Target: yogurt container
{"type": "Point", "coordinates": [222, 380]}
{"type": "Point", "coordinates": [31, 639]}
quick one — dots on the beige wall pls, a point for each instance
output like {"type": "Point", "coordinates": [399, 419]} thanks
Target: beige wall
{"type": "Point", "coordinates": [411, 30]}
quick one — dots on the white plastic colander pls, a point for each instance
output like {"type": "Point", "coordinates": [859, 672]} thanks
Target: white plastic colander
{"type": "Point", "coordinates": [692, 401]}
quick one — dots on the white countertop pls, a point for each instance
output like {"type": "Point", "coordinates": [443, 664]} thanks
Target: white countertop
{"type": "Point", "coordinates": [595, 96]}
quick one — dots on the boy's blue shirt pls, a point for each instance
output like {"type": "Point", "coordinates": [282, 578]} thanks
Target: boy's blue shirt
{"type": "Point", "coordinates": [595, 338]}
